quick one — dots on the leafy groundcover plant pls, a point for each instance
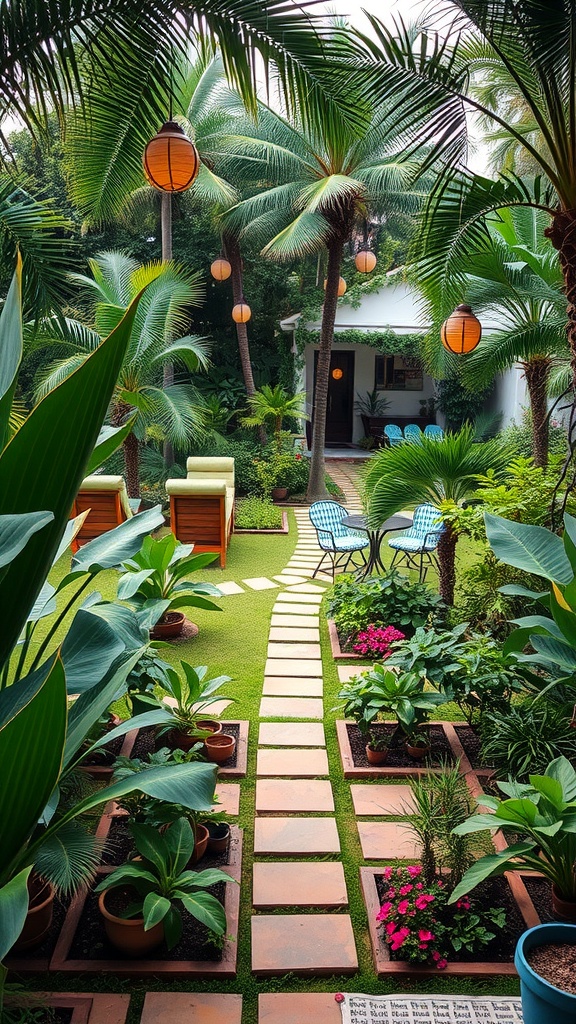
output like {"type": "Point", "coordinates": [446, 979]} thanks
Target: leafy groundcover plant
{"type": "Point", "coordinates": [419, 925]}
{"type": "Point", "coordinates": [257, 514]}
{"type": "Point", "coordinates": [388, 600]}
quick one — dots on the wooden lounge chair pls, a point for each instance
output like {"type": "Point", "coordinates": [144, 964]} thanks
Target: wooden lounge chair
{"type": "Point", "coordinates": [107, 499]}
{"type": "Point", "coordinates": [202, 505]}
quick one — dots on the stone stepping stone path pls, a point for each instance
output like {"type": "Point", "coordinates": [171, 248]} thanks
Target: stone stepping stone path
{"type": "Point", "coordinates": [382, 800]}
{"type": "Point", "coordinates": [260, 583]}
{"type": "Point", "coordinates": [230, 588]}
{"type": "Point", "coordinates": [298, 1008]}
{"type": "Point", "coordinates": [388, 840]}
{"type": "Point", "coordinates": [294, 799]}
{"type": "Point", "coordinates": [184, 1007]}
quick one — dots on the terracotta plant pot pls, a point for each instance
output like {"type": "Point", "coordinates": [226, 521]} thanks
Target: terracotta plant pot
{"type": "Point", "coordinates": [185, 741]}
{"type": "Point", "coordinates": [219, 836]}
{"type": "Point", "coordinates": [279, 493]}
{"type": "Point", "coordinates": [220, 747]}
{"type": "Point", "coordinates": [376, 756]}
{"type": "Point", "coordinates": [417, 753]}
{"type": "Point", "coordinates": [39, 917]}
{"type": "Point", "coordinates": [169, 628]}
{"type": "Point", "coordinates": [129, 936]}
{"type": "Point", "coordinates": [201, 837]}
{"type": "Point", "coordinates": [564, 910]}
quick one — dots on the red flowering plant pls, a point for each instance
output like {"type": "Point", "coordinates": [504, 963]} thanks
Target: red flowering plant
{"type": "Point", "coordinates": [417, 922]}
{"type": "Point", "coordinates": [375, 641]}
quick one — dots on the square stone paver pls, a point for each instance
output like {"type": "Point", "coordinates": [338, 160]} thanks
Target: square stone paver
{"type": "Point", "coordinates": [260, 583]}
{"type": "Point", "coordinates": [388, 840]}
{"type": "Point", "coordinates": [298, 1008]}
{"type": "Point", "coordinates": [297, 597]}
{"type": "Point", "coordinates": [282, 578]}
{"type": "Point", "coordinates": [307, 561]}
{"type": "Point", "coordinates": [298, 796]}
{"type": "Point", "coordinates": [378, 799]}
{"type": "Point", "coordinates": [303, 944]}
{"type": "Point", "coordinates": [298, 885]}
{"type": "Point", "coordinates": [280, 686]}
{"type": "Point", "coordinates": [291, 707]}
{"type": "Point", "coordinates": [228, 794]}
{"type": "Point", "coordinates": [302, 611]}
{"type": "Point", "coordinates": [295, 650]}
{"type": "Point", "coordinates": [295, 763]}
{"type": "Point", "coordinates": [309, 621]}
{"type": "Point", "coordinates": [230, 588]}
{"type": "Point", "coordinates": [291, 734]}
{"type": "Point", "coordinates": [295, 634]}
{"type": "Point", "coordinates": [183, 1007]}
{"type": "Point", "coordinates": [346, 672]}
{"type": "Point", "coordinates": [296, 837]}
{"type": "Point", "coordinates": [312, 669]}
{"type": "Point", "coordinates": [306, 588]}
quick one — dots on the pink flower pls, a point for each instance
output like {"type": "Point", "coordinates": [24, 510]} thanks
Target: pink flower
{"type": "Point", "coordinates": [384, 912]}
{"type": "Point", "coordinates": [390, 927]}
{"type": "Point", "coordinates": [405, 890]}
{"type": "Point", "coordinates": [440, 883]}
{"type": "Point", "coordinates": [425, 936]}
{"type": "Point", "coordinates": [422, 945]}
{"type": "Point", "coordinates": [414, 870]}
{"type": "Point", "coordinates": [463, 904]}
{"type": "Point", "coordinates": [442, 964]}
{"type": "Point", "coordinates": [419, 885]}
{"type": "Point", "coordinates": [387, 873]}
{"type": "Point", "coordinates": [436, 955]}
{"type": "Point", "coordinates": [399, 938]}
{"type": "Point", "coordinates": [399, 872]}
{"type": "Point", "coordinates": [422, 901]}
{"type": "Point", "coordinates": [391, 893]}
{"type": "Point", "coordinates": [403, 906]}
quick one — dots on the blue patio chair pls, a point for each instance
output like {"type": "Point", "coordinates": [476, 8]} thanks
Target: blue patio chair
{"type": "Point", "coordinates": [393, 433]}
{"type": "Point", "coordinates": [434, 432]}
{"type": "Point", "coordinates": [417, 545]}
{"type": "Point", "coordinates": [412, 433]}
{"type": "Point", "coordinates": [338, 543]}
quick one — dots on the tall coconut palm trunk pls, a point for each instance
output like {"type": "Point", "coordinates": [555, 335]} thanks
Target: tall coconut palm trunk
{"type": "Point", "coordinates": [447, 564]}
{"type": "Point", "coordinates": [233, 253]}
{"type": "Point", "coordinates": [536, 372]}
{"type": "Point", "coordinates": [131, 449]}
{"type": "Point", "coordinates": [562, 234]}
{"type": "Point", "coordinates": [317, 482]}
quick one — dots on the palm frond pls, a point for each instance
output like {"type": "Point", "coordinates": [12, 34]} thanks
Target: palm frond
{"type": "Point", "coordinates": [193, 352]}
{"type": "Point", "coordinates": [69, 858]}
{"type": "Point", "coordinates": [58, 372]}
{"type": "Point", "coordinates": [178, 410]}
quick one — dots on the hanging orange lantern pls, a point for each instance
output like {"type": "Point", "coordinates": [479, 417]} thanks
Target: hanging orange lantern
{"type": "Point", "coordinates": [221, 269]}
{"type": "Point", "coordinates": [365, 261]}
{"type": "Point", "coordinates": [342, 286]}
{"type": "Point", "coordinates": [241, 313]}
{"type": "Point", "coordinates": [461, 332]}
{"type": "Point", "coordinates": [171, 161]}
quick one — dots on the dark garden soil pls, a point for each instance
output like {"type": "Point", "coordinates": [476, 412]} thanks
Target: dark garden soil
{"type": "Point", "coordinates": [556, 964]}
{"type": "Point", "coordinates": [147, 741]}
{"type": "Point", "coordinates": [47, 948]}
{"type": "Point", "coordinates": [397, 757]}
{"type": "Point", "coordinates": [472, 744]}
{"type": "Point", "coordinates": [120, 845]}
{"type": "Point", "coordinates": [540, 892]}
{"type": "Point", "coordinates": [104, 757]}
{"type": "Point", "coordinates": [32, 1014]}
{"type": "Point", "coordinates": [90, 942]}
{"type": "Point", "coordinates": [494, 892]}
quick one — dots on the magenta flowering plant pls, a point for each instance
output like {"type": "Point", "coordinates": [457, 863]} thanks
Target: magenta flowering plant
{"type": "Point", "coordinates": [375, 641]}
{"type": "Point", "coordinates": [410, 915]}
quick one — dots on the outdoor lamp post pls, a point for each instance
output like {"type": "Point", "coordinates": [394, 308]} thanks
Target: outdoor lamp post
{"type": "Point", "coordinates": [461, 332]}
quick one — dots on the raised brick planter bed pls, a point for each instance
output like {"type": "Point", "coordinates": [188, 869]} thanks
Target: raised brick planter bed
{"type": "Point", "coordinates": [337, 653]}
{"type": "Point", "coordinates": [223, 968]}
{"type": "Point", "coordinates": [104, 771]}
{"type": "Point", "coordinates": [84, 1007]}
{"type": "Point", "coordinates": [385, 966]}
{"type": "Point", "coordinates": [281, 529]}
{"type": "Point", "coordinates": [352, 771]}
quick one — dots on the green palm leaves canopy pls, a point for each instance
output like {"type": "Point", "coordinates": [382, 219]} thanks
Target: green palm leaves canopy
{"type": "Point", "coordinates": [437, 472]}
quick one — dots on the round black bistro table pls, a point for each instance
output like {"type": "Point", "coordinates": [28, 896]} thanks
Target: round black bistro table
{"type": "Point", "coordinates": [375, 538]}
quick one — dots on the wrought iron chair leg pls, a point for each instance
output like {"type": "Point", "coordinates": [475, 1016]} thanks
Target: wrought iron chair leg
{"type": "Point", "coordinates": [318, 567]}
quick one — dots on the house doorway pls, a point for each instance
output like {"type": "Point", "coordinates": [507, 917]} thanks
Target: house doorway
{"type": "Point", "coordinates": [340, 411]}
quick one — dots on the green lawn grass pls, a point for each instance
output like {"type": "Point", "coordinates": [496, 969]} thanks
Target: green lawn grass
{"type": "Point", "coordinates": [234, 642]}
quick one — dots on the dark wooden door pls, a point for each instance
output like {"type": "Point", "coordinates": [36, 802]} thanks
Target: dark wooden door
{"type": "Point", "coordinates": [340, 413]}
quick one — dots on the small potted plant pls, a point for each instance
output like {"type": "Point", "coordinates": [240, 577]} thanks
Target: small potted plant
{"type": "Point", "coordinates": [186, 722]}
{"type": "Point", "coordinates": [545, 958]}
{"type": "Point", "coordinates": [418, 744]}
{"type": "Point", "coordinates": [377, 748]}
{"type": "Point", "coordinates": [142, 902]}
{"type": "Point", "coordinates": [220, 747]}
{"type": "Point", "coordinates": [154, 584]}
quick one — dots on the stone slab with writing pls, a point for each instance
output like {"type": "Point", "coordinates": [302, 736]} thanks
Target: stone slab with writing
{"type": "Point", "coordinates": [360, 1009]}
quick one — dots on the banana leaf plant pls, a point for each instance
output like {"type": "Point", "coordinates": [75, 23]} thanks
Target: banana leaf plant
{"type": "Point", "coordinates": [543, 815]}
{"type": "Point", "coordinates": [541, 552]}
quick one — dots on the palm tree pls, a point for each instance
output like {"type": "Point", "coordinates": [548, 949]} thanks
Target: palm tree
{"type": "Point", "coordinates": [440, 472]}
{"type": "Point", "coordinates": [156, 339]}
{"type": "Point", "coordinates": [321, 178]}
{"type": "Point", "coordinates": [513, 275]}
{"type": "Point", "coordinates": [272, 405]}
{"type": "Point", "coordinates": [535, 47]}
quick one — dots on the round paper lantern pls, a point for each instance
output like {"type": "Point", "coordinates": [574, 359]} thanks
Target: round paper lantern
{"type": "Point", "coordinates": [342, 286]}
{"type": "Point", "coordinates": [171, 161]}
{"type": "Point", "coordinates": [461, 332]}
{"type": "Point", "coordinates": [365, 261]}
{"type": "Point", "coordinates": [220, 269]}
{"type": "Point", "coordinates": [241, 313]}
{"type": "Point", "coordinates": [337, 373]}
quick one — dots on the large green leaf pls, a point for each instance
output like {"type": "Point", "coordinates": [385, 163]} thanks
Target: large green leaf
{"type": "Point", "coordinates": [13, 910]}
{"type": "Point", "coordinates": [32, 735]}
{"type": "Point", "coordinates": [16, 530]}
{"type": "Point", "coordinates": [207, 909]}
{"type": "Point", "coordinates": [191, 785]}
{"type": "Point", "coordinates": [109, 439]}
{"type": "Point", "coordinates": [116, 546]}
{"type": "Point", "coordinates": [531, 548]}
{"type": "Point", "coordinates": [11, 344]}
{"type": "Point", "coordinates": [487, 867]}
{"type": "Point", "coordinates": [44, 464]}
{"type": "Point", "coordinates": [89, 649]}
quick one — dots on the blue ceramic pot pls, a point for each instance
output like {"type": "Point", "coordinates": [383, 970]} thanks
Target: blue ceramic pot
{"type": "Point", "coordinates": [543, 1003]}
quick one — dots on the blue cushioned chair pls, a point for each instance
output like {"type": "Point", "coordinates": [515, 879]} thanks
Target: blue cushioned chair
{"type": "Point", "coordinates": [412, 433]}
{"type": "Point", "coordinates": [434, 432]}
{"type": "Point", "coordinates": [393, 433]}
{"type": "Point", "coordinates": [417, 546]}
{"type": "Point", "coordinates": [338, 543]}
